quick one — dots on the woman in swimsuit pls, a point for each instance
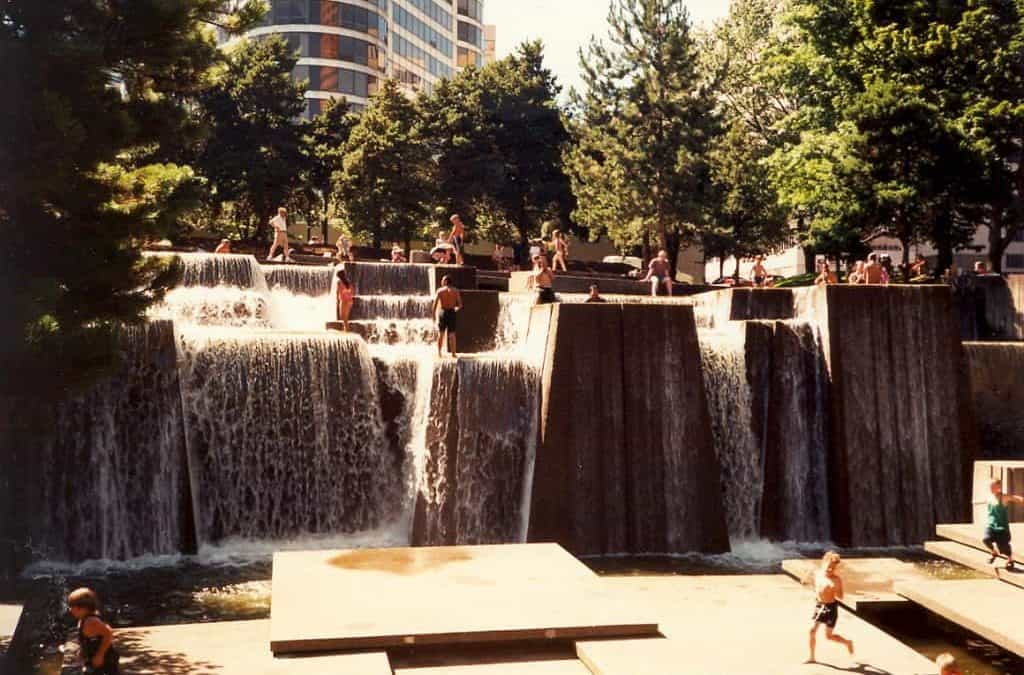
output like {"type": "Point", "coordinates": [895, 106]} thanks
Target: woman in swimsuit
{"type": "Point", "coordinates": [561, 251]}
{"type": "Point", "coordinates": [828, 589]}
{"type": "Point", "coordinates": [541, 280]}
{"type": "Point", "coordinates": [346, 298]}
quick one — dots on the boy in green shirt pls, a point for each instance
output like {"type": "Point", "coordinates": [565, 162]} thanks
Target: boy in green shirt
{"type": "Point", "coordinates": [997, 528]}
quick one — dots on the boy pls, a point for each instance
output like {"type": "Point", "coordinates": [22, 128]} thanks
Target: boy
{"type": "Point", "coordinates": [997, 528]}
{"type": "Point", "coordinates": [947, 664]}
{"type": "Point", "coordinates": [94, 636]}
{"type": "Point", "coordinates": [828, 589]}
{"type": "Point", "coordinates": [450, 301]}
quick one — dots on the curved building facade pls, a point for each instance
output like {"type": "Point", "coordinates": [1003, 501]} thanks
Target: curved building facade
{"type": "Point", "coordinates": [346, 47]}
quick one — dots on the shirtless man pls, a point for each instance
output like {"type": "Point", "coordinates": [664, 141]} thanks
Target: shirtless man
{"type": "Point", "coordinates": [759, 274]}
{"type": "Point", "coordinates": [828, 589]}
{"type": "Point", "coordinates": [223, 247]}
{"type": "Point", "coordinates": [873, 271]}
{"type": "Point", "coordinates": [280, 225]}
{"type": "Point", "coordinates": [456, 237]}
{"type": "Point", "coordinates": [542, 280]}
{"type": "Point", "coordinates": [826, 276]}
{"type": "Point", "coordinates": [659, 272]}
{"type": "Point", "coordinates": [450, 301]}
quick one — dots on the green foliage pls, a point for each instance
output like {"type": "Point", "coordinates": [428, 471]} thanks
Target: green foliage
{"type": "Point", "coordinates": [252, 153]}
{"type": "Point", "coordinates": [643, 129]}
{"type": "Point", "coordinates": [386, 176]}
{"type": "Point", "coordinates": [96, 93]}
{"type": "Point", "coordinates": [323, 147]}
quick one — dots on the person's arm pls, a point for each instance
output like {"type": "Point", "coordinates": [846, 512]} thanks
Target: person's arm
{"type": "Point", "coordinates": [437, 299]}
{"type": "Point", "coordinates": [839, 587]}
{"type": "Point", "coordinates": [99, 628]}
{"type": "Point", "coordinates": [650, 270]}
{"type": "Point", "coordinates": [1013, 499]}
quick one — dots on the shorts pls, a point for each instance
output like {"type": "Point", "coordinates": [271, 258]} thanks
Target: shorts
{"type": "Point", "coordinates": [1001, 538]}
{"type": "Point", "coordinates": [457, 243]}
{"type": "Point", "coordinates": [545, 296]}
{"type": "Point", "coordinates": [758, 280]}
{"type": "Point", "coordinates": [447, 321]}
{"type": "Point", "coordinates": [826, 613]}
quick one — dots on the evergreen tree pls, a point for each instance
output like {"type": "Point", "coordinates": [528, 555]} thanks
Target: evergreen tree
{"type": "Point", "coordinates": [96, 92]}
{"type": "Point", "coordinates": [252, 154]}
{"type": "Point", "coordinates": [643, 129]}
{"type": "Point", "coordinates": [324, 143]}
{"type": "Point", "coordinates": [387, 173]}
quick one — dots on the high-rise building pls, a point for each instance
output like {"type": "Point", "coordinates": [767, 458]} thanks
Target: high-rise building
{"type": "Point", "coordinates": [347, 47]}
{"type": "Point", "coordinates": [490, 42]}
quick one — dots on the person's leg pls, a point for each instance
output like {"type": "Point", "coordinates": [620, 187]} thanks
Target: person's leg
{"type": "Point", "coordinates": [812, 640]}
{"type": "Point", "coordinates": [655, 282]}
{"type": "Point", "coordinates": [668, 283]}
{"type": "Point", "coordinates": [989, 540]}
{"type": "Point", "coordinates": [451, 344]}
{"type": "Point", "coordinates": [440, 342]}
{"type": "Point", "coordinates": [836, 637]}
{"type": "Point", "coordinates": [1007, 549]}
{"type": "Point", "coordinates": [346, 310]}
{"type": "Point", "coordinates": [273, 245]}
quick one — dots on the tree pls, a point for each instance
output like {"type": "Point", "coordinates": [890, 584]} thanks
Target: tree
{"type": "Point", "coordinates": [323, 145]}
{"type": "Point", "coordinates": [252, 154]}
{"type": "Point", "coordinates": [643, 129]}
{"type": "Point", "coordinates": [99, 90]}
{"type": "Point", "coordinates": [386, 177]}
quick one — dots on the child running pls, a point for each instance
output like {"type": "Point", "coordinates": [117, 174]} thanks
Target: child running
{"type": "Point", "coordinates": [997, 528]}
{"type": "Point", "coordinates": [828, 589]}
{"type": "Point", "coordinates": [94, 635]}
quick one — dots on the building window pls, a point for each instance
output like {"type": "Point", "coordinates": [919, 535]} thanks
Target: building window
{"type": "Point", "coordinates": [467, 57]}
{"type": "Point", "coordinates": [340, 47]}
{"type": "Point", "coordinates": [472, 9]}
{"type": "Point", "coordinates": [339, 80]}
{"type": "Point", "coordinates": [328, 13]}
{"type": "Point", "coordinates": [1020, 235]}
{"type": "Point", "coordinates": [1015, 261]}
{"type": "Point", "coordinates": [406, 20]}
{"type": "Point", "coordinates": [436, 12]}
{"type": "Point", "coordinates": [471, 34]}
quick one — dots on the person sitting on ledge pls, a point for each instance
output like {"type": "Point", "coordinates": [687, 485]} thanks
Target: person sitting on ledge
{"type": "Point", "coordinates": [826, 276]}
{"type": "Point", "coordinates": [397, 254]}
{"type": "Point", "coordinates": [542, 280]}
{"type": "Point", "coordinates": [659, 273]}
{"type": "Point", "coordinates": [94, 635]}
{"type": "Point", "coordinates": [873, 271]}
{"type": "Point", "coordinates": [997, 527]}
{"type": "Point", "coordinates": [947, 664]}
{"type": "Point", "coordinates": [759, 275]}
{"type": "Point", "coordinates": [828, 589]}
{"type": "Point", "coordinates": [223, 247]}
{"type": "Point", "coordinates": [450, 301]}
{"type": "Point", "coordinates": [595, 295]}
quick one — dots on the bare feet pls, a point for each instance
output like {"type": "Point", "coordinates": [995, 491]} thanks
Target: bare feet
{"type": "Point", "coordinates": [849, 646]}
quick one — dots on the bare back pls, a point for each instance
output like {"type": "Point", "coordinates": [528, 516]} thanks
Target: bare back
{"type": "Point", "coordinates": [873, 273]}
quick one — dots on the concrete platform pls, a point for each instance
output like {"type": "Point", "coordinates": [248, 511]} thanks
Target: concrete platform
{"type": "Point", "coordinates": [229, 648]}
{"type": "Point", "coordinates": [502, 659]}
{"type": "Point", "coordinates": [740, 625]}
{"type": "Point", "coordinates": [10, 615]}
{"type": "Point", "coordinates": [866, 581]}
{"type": "Point", "coordinates": [970, 534]}
{"type": "Point", "coordinates": [992, 609]}
{"type": "Point", "coordinates": [975, 559]}
{"type": "Point", "coordinates": [442, 595]}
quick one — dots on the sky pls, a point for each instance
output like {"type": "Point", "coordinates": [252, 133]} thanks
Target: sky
{"type": "Point", "coordinates": [565, 26]}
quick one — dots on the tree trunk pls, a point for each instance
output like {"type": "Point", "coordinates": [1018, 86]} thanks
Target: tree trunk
{"type": "Point", "coordinates": [998, 241]}
{"type": "Point", "coordinates": [736, 272]}
{"type": "Point", "coordinates": [809, 255]}
{"type": "Point", "coordinates": [905, 243]}
{"type": "Point", "coordinates": [671, 244]}
{"type": "Point", "coordinates": [721, 266]}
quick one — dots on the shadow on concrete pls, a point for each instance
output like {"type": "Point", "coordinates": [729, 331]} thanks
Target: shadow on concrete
{"type": "Point", "coordinates": [864, 668]}
{"type": "Point", "coordinates": [139, 659]}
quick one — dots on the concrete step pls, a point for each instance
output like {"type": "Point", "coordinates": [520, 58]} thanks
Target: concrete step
{"type": "Point", "coordinates": [976, 559]}
{"type": "Point", "coordinates": [970, 534]}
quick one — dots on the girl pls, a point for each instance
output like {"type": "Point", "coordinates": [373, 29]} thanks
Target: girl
{"type": "Point", "coordinates": [94, 635]}
{"type": "Point", "coordinates": [346, 298]}
{"type": "Point", "coordinates": [561, 251]}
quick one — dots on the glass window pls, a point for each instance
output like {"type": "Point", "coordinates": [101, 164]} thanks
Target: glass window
{"type": "Point", "coordinates": [1015, 261]}
{"type": "Point", "coordinates": [471, 8]}
{"type": "Point", "coordinates": [328, 13]}
{"type": "Point", "coordinates": [471, 34]}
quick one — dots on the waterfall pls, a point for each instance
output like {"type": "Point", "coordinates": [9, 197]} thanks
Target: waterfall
{"type": "Point", "coordinates": [993, 371]}
{"type": "Point", "coordinates": [730, 405]}
{"type": "Point", "coordinates": [217, 269]}
{"type": "Point", "coordinates": [480, 443]}
{"type": "Point", "coordinates": [111, 480]}
{"type": "Point", "coordinates": [304, 279]}
{"type": "Point", "coordinates": [389, 278]}
{"type": "Point", "coordinates": [220, 306]}
{"type": "Point", "coordinates": [285, 436]}
{"type": "Point", "coordinates": [394, 307]}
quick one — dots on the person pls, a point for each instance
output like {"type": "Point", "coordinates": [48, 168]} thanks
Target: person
{"type": "Point", "coordinates": [542, 280]}
{"type": "Point", "coordinates": [826, 275]}
{"type": "Point", "coordinates": [280, 225]}
{"type": "Point", "coordinates": [346, 298]}
{"type": "Point", "coordinates": [223, 247]}
{"type": "Point", "coordinates": [828, 590]}
{"type": "Point", "coordinates": [457, 236]}
{"type": "Point", "coordinates": [947, 664]}
{"type": "Point", "coordinates": [561, 250]}
{"type": "Point", "coordinates": [759, 274]}
{"type": "Point", "coordinates": [535, 250]}
{"type": "Point", "coordinates": [397, 254]}
{"type": "Point", "coordinates": [344, 245]}
{"type": "Point", "coordinates": [888, 272]}
{"type": "Point", "coordinates": [595, 295]}
{"type": "Point", "coordinates": [441, 255]}
{"type": "Point", "coordinates": [314, 240]}
{"type": "Point", "coordinates": [500, 262]}
{"type": "Point", "coordinates": [450, 301]}
{"type": "Point", "coordinates": [997, 525]}
{"type": "Point", "coordinates": [94, 635]}
{"type": "Point", "coordinates": [857, 275]}
{"type": "Point", "coordinates": [919, 267]}
{"type": "Point", "coordinates": [980, 268]}
{"type": "Point", "coordinates": [873, 271]}
{"type": "Point", "coordinates": [659, 272]}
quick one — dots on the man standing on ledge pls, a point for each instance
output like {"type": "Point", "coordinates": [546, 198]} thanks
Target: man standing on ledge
{"type": "Point", "coordinates": [450, 302]}
{"type": "Point", "coordinates": [280, 225]}
{"type": "Point", "coordinates": [456, 237]}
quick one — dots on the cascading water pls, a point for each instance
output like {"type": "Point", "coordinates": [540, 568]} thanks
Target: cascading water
{"type": "Point", "coordinates": [730, 405]}
{"type": "Point", "coordinates": [217, 269]}
{"type": "Point", "coordinates": [296, 279]}
{"type": "Point", "coordinates": [285, 436]}
{"type": "Point", "coordinates": [389, 279]}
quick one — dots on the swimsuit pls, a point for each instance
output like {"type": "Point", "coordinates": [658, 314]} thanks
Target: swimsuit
{"type": "Point", "coordinates": [545, 295]}
{"type": "Point", "coordinates": [91, 645]}
{"type": "Point", "coordinates": [457, 242]}
{"type": "Point", "coordinates": [826, 613]}
{"type": "Point", "coordinates": [447, 321]}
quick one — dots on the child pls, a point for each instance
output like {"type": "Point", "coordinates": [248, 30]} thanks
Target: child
{"type": "Point", "coordinates": [997, 529]}
{"type": "Point", "coordinates": [94, 636]}
{"type": "Point", "coordinates": [828, 589]}
{"type": "Point", "coordinates": [947, 664]}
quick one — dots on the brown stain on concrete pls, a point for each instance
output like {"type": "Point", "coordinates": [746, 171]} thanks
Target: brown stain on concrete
{"type": "Point", "coordinates": [399, 561]}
